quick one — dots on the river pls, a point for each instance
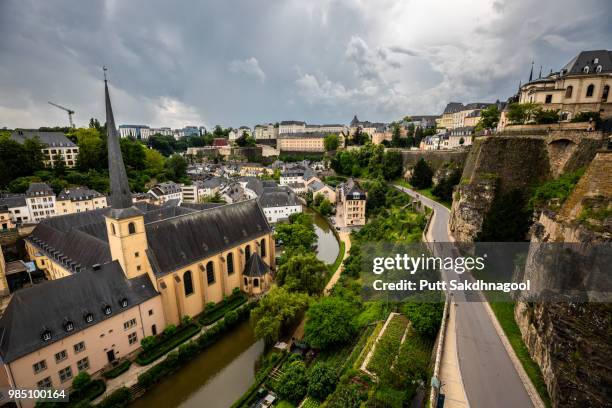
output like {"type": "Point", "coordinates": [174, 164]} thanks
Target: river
{"type": "Point", "coordinates": [214, 379]}
{"type": "Point", "coordinates": [327, 244]}
{"type": "Point", "coordinates": [222, 373]}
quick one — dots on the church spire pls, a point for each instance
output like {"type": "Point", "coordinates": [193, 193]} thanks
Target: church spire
{"type": "Point", "coordinates": [531, 72]}
{"type": "Point", "coordinates": [120, 196]}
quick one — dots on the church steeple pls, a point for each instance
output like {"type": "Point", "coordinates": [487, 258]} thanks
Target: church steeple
{"type": "Point", "coordinates": [531, 72]}
{"type": "Point", "coordinates": [120, 196]}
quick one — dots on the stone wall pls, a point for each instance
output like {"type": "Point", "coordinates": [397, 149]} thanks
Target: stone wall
{"type": "Point", "coordinates": [435, 158]}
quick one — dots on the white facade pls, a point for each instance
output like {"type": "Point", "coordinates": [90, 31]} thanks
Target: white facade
{"type": "Point", "coordinates": [291, 126]}
{"type": "Point", "coordinates": [41, 207]}
{"type": "Point", "coordinates": [275, 214]}
{"type": "Point", "coordinates": [266, 132]}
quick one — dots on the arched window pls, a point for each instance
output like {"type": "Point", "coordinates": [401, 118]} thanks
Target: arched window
{"type": "Point", "coordinates": [131, 228]}
{"type": "Point", "coordinates": [590, 90]}
{"type": "Point", "coordinates": [230, 263]}
{"type": "Point", "coordinates": [568, 91]}
{"type": "Point", "coordinates": [262, 245]}
{"type": "Point", "coordinates": [188, 283]}
{"type": "Point", "coordinates": [210, 273]}
{"type": "Point", "coordinates": [246, 282]}
{"type": "Point", "coordinates": [598, 69]}
{"type": "Point", "coordinates": [585, 70]}
{"type": "Point", "coordinates": [113, 229]}
{"type": "Point", "coordinates": [604, 95]}
{"type": "Point", "coordinates": [247, 253]}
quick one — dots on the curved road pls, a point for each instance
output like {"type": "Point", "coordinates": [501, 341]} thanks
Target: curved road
{"type": "Point", "coordinates": [489, 376]}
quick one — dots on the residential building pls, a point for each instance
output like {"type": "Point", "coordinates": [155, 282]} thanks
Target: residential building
{"type": "Point", "coordinates": [318, 187]}
{"type": "Point", "coordinates": [78, 199]}
{"type": "Point", "coordinates": [266, 132]}
{"type": "Point", "coordinates": [17, 208]}
{"type": "Point", "coordinates": [351, 204]}
{"type": "Point", "coordinates": [298, 188]}
{"type": "Point", "coordinates": [40, 200]}
{"type": "Point", "coordinates": [294, 174]}
{"type": "Point", "coordinates": [291, 126]}
{"type": "Point", "coordinates": [122, 273]}
{"type": "Point", "coordinates": [582, 85]}
{"type": "Point", "coordinates": [301, 142]}
{"type": "Point", "coordinates": [147, 132]}
{"type": "Point", "coordinates": [254, 169]}
{"type": "Point", "coordinates": [278, 203]}
{"type": "Point", "coordinates": [56, 146]}
{"type": "Point", "coordinates": [201, 189]}
{"type": "Point", "coordinates": [6, 218]}
{"type": "Point", "coordinates": [134, 131]}
{"type": "Point", "coordinates": [163, 192]}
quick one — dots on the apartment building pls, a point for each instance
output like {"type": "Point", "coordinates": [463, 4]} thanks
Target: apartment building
{"type": "Point", "coordinates": [6, 219]}
{"type": "Point", "coordinates": [301, 142]}
{"type": "Point", "coordinates": [78, 199]}
{"type": "Point", "coordinates": [17, 208]}
{"type": "Point", "coordinates": [278, 203]}
{"type": "Point", "coordinates": [56, 146]}
{"type": "Point", "coordinates": [351, 204]}
{"type": "Point", "coordinates": [40, 200]}
{"type": "Point", "coordinates": [163, 192]}
{"type": "Point", "coordinates": [134, 131]}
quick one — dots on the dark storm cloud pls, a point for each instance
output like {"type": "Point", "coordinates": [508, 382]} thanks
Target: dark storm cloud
{"type": "Point", "coordinates": [245, 62]}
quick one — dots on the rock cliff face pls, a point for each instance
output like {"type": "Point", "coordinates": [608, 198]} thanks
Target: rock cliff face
{"type": "Point", "coordinates": [501, 163]}
{"type": "Point", "coordinates": [571, 341]}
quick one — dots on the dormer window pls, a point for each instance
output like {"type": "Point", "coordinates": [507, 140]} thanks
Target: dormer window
{"type": "Point", "coordinates": [585, 69]}
{"type": "Point", "coordinates": [46, 335]}
{"type": "Point", "coordinates": [89, 317]}
{"type": "Point", "coordinates": [107, 310]}
{"type": "Point", "coordinates": [598, 69]}
{"type": "Point", "coordinates": [123, 302]}
{"type": "Point", "coordinates": [68, 326]}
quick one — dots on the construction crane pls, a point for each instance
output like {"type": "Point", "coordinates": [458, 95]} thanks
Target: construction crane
{"type": "Point", "coordinates": [70, 112]}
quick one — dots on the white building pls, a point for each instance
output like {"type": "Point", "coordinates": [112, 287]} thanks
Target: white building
{"type": "Point", "coordinates": [145, 133]}
{"type": "Point", "coordinates": [55, 146]}
{"type": "Point", "coordinates": [40, 200]}
{"type": "Point", "coordinates": [201, 189]}
{"type": "Point", "coordinates": [17, 207]}
{"type": "Point", "coordinates": [291, 126]}
{"type": "Point", "coordinates": [134, 131]}
{"type": "Point", "coordinates": [279, 203]}
{"type": "Point", "coordinates": [266, 132]}
{"type": "Point", "coordinates": [163, 192]}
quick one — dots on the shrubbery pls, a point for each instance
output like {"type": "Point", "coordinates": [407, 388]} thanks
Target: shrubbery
{"type": "Point", "coordinates": [118, 399]}
{"type": "Point", "coordinates": [117, 371]}
{"type": "Point", "coordinates": [170, 338]}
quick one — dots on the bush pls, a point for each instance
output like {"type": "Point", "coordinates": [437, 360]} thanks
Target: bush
{"type": "Point", "coordinates": [81, 381]}
{"type": "Point", "coordinates": [231, 317]}
{"type": "Point", "coordinates": [425, 317]}
{"type": "Point", "coordinates": [118, 399]}
{"type": "Point", "coordinates": [117, 371]}
{"type": "Point", "coordinates": [322, 381]}
{"type": "Point", "coordinates": [329, 323]}
{"type": "Point", "coordinates": [421, 175]}
{"type": "Point", "coordinates": [147, 343]}
{"type": "Point", "coordinates": [293, 382]}
{"type": "Point", "coordinates": [216, 311]}
{"type": "Point", "coordinates": [167, 342]}
{"type": "Point", "coordinates": [169, 330]}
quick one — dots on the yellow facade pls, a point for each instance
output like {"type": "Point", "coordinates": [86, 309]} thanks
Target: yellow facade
{"type": "Point", "coordinates": [72, 207]}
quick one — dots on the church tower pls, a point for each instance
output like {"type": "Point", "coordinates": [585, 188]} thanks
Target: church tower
{"type": "Point", "coordinates": [125, 226]}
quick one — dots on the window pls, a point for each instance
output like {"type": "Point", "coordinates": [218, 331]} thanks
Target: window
{"type": "Point", "coordinates": [88, 317]}
{"type": "Point", "coordinates": [138, 267]}
{"type": "Point", "coordinates": [230, 263]}
{"type": "Point", "coordinates": [256, 282]}
{"type": "Point", "coordinates": [107, 310]}
{"type": "Point", "coordinates": [65, 374]}
{"type": "Point", "coordinates": [45, 383]}
{"type": "Point", "coordinates": [585, 70]}
{"type": "Point", "coordinates": [123, 302]}
{"type": "Point", "coordinates": [188, 283]}
{"type": "Point", "coordinates": [61, 356]}
{"type": "Point", "coordinates": [246, 282]}
{"type": "Point", "coordinates": [153, 330]}
{"type": "Point", "coordinates": [131, 228]}
{"type": "Point", "coordinates": [247, 253]}
{"type": "Point", "coordinates": [136, 254]}
{"type": "Point", "coordinates": [590, 90]}
{"type": "Point", "coordinates": [262, 245]}
{"type": "Point", "coordinates": [598, 69]}
{"type": "Point", "coordinates": [80, 346]}
{"type": "Point", "coordinates": [130, 323]}
{"type": "Point", "coordinates": [113, 229]}
{"type": "Point", "coordinates": [40, 366]}
{"type": "Point", "coordinates": [150, 312]}
{"type": "Point", "coordinates": [548, 99]}
{"type": "Point", "coordinates": [83, 364]}
{"type": "Point", "coordinates": [68, 326]}
{"type": "Point", "coordinates": [604, 95]}
{"type": "Point", "coordinates": [568, 91]}
{"type": "Point", "coordinates": [46, 335]}
{"type": "Point", "coordinates": [132, 338]}
{"type": "Point", "coordinates": [210, 273]}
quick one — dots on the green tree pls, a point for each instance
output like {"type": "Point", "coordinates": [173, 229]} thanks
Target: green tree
{"type": "Point", "coordinates": [508, 219]}
{"type": "Point", "coordinates": [295, 236]}
{"type": "Point", "coordinates": [81, 381]}
{"type": "Point", "coordinates": [275, 312]}
{"type": "Point", "coordinates": [59, 165]}
{"type": "Point", "coordinates": [543, 116]}
{"type": "Point", "coordinates": [444, 188]}
{"type": "Point", "coordinates": [325, 208]}
{"type": "Point", "coordinates": [302, 272]}
{"type": "Point", "coordinates": [421, 175]}
{"type": "Point", "coordinates": [154, 162]}
{"type": "Point", "coordinates": [216, 198]}
{"type": "Point", "coordinates": [489, 118]}
{"type": "Point", "coordinates": [33, 156]}
{"type": "Point", "coordinates": [520, 113]}
{"type": "Point", "coordinates": [176, 167]}
{"type": "Point", "coordinates": [245, 140]}
{"type": "Point", "coordinates": [293, 382]}
{"type": "Point", "coordinates": [329, 323]}
{"type": "Point", "coordinates": [396, 135]}
{"type": "Point", "coordinates": [424, 317]}
{"type": "Point", "coordinates": [322, 380]}
{"type": "Point", "coordinates": [92, 149]}
{"type": "Point", "coordinates": [331, 142]}
{"type": "Point", "coordinates": [392, 165]}
{"type": "Point", "coordinates": [133, 153]}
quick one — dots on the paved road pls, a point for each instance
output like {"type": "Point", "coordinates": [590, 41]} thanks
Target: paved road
{"type": "Point", "coordinates": [489, 377]}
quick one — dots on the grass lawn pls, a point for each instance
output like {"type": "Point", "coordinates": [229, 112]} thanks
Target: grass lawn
{"type": "Point", "coordinates": [426, 192]}
{"type": "Point", "coordinates": [504, 311]}
{"type": "Point", "coordinates": [310, 402]}
{"type": "Point", "coordinates": [284, 404]}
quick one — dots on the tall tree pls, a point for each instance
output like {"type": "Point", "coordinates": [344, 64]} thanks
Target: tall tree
{"type": "Point", "coordinates": [275, 312]}
{"type": "Point", "coordinates": [303, 272]}
{"type": "Point", "coordinates": [421, 175]}
{"type": "Point", "coordinates": [489, 118]}
{"type": "Point", "coordinates": [329, 323]}
{"type": "Point", "coordinates": [331, 142]}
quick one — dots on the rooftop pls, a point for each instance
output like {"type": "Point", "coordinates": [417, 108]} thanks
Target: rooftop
{"type": "Point", "coordinates": [50, 139]}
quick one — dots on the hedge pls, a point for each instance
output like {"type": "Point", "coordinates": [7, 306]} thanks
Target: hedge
{"type": "Point", "coordinates": [79, 398]}
{"type": "Point", "coordinates": [118, 370]}
{"type": "Point", "coordinates": [165, 344]}
{"type": "Point", "coordinates": [189, 350]}
{"type": "Point", "coordinates": [118, 399]}
{"type": "Point", "coordinates": [218, 311]}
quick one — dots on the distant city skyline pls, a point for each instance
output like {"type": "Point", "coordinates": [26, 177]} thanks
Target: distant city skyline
{"type": "Point", "coordinates": [204, 64]}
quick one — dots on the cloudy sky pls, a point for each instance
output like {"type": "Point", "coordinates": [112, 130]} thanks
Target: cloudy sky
{"type": "Point", "coordinates": [242, 62]}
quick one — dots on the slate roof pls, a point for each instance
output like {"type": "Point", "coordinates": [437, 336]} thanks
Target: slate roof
{"type": "Point", "coordinates": [182, 240]}
{"type": "Point", "coordinates": [13, 200]}
{"type": "Point", "coordinates": [78, 194]}
{"type": "Point", "coordinates": [50, 139]}
{"type": "Point", "coordinates": [453, 107]}
{"type": "Point", "coordinates": [292, 122]}
{"type": "Point", "coordinates": [39, 189]}
{"type": "Point", "coordinates": [316, 186]}
{"type": "Point", "coordinates": [304, 135]}
{"type": "Point", "coordinates": [352, 191]}
{"type": "Point", "coordinates": [165, 188]}
{"type": "Point", "coordinates": [47, 306]}
{"type": "Point", "coordinates": [278, 197]}
{"type": "Point", "coordinates": [256, 267]}
{"type": "Point", "coordinates": [587, 58]}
